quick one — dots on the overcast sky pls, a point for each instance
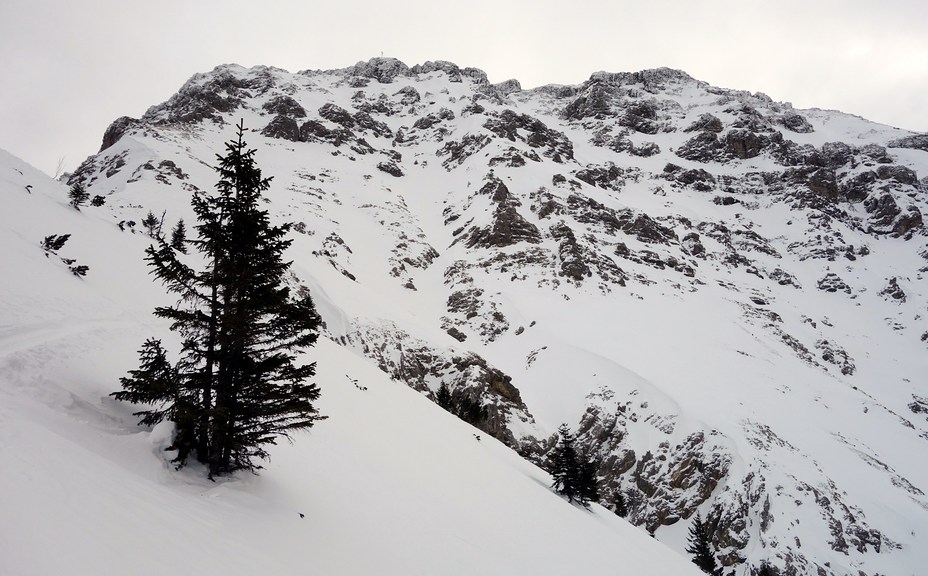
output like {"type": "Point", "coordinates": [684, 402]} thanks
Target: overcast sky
{"type": "Point", "coordinates": [68, 68]}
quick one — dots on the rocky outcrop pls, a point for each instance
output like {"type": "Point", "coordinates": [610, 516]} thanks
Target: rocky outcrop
{"type": "Point", "coordinates": [283, 127]}
{"type": "Point", "coordinates": [209, 96]}
{"type": "Point", "coordinates": [507, 227]}
{"type": "Point", "coordinates": [383, 70]}
{"type": "Point", "coordinates": [915, 142]}
{"type": "Point", "coordinates": [795, 122]}
{"type": "Point", "coordinates": [705, 123]}
{"type": "Point", "coordinates": [284, 105]}
{"type": "Point", "coordinates": [425, 368]}
{"type": "Point", "coordinates": [116, 130]}
{"type": "Point", "coordinates": [458, 152]}
{"type": "Point", "coordinates": [554, 144]}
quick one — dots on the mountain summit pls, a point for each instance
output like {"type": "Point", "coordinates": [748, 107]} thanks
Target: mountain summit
{"type": "Point", "coordinates": [721, 294]}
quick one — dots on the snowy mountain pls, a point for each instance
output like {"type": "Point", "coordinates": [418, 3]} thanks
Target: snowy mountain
{"type": "Point", "coordinates": [724, 295]}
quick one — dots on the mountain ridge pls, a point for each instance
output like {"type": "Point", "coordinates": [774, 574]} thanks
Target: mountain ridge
{"type": "Point", "coordinates": [627, 235]}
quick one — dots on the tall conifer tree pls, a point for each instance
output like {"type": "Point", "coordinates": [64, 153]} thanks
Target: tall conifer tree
{"type": "Point", "coordinates": [574, 474]}
{"type": "Point", "coordinates": [564, 467]}
{"type": "Point", "coordinates": [699, 544]}
{"type": "Point", "coordinates": [242, 329]}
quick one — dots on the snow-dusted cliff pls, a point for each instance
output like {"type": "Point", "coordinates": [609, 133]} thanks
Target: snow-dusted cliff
{"type": "Point", "coordinates": [725, 295]}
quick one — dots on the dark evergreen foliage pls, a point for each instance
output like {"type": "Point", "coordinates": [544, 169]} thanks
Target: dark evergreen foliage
{"type": "Point", "coordinates": [766, 570]}
{"type": "Point", "coordinates": [79, 270]}
{"type": "Point", "coordinates": [699, 544]}
{"type": "Point", "coordinates": [574, 475]}
{"type": "Point", "coordinates": [443, 397]}
{"type": "Point", "coordinates": [564, 464]}
{"type": "Point", "coordinates": [152, 225]}
{"type": "Point", "coordinates": [587, 486]}
{"type": "Point", "coordinates": [469, 409]}
{"type": "Point", "coordinates": [98, 201]}
{"type": "Point", "coordinates": [619, 505]}
{"type": "Point", "coordinates": [179, 237]}
{"type": "Point", "coordinates": [54, 242]}
{"type": "Point", "coordinates": [78, 195]}
{"type": "Point", "coordinates": [461, 405]}
{"type": "Point", "coordinates": [158, 384]}
{"type": "Point", "coordinates": [241, 328]}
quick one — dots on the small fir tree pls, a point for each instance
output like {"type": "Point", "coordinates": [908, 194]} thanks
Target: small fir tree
{"type": "Point", "coordinates": [54, 242]}
{"type": "Point", "coordinates": [574, 474]}
{"type": "Point", "coordinates": [158, 383]}
{"type": "Point", "coordinates": [151, 224]}
{"type": "Point", "coordinates": [469, 409]}
{"type": "Point", "coordinates": [179, 237]}
{"type": "Point", "coordinates": [699, 544]}
{"type": "Point", "coordinates": [765, 570]}
{"type": "Point", "coordinates": [564, 468]}
{"type": "Point", "coordinates": [78, 195]}
{"type": "Point", "coordinates": [619, 505]}
{"type": "Point", "coordinates": [98, 201]}
{"type": "Point", "coordinates": [443, 397]}
{"type": "Point", "coordinates": [587, 486]}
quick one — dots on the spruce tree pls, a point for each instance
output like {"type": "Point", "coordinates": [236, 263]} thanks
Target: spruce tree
{"type": "Point", "coordinates": [241, 327]}
{"type": "Point", "coordinates": [574, 474]}
{"type": "Point", "coordinates": [152, 225]}
{"type": "Point", "coordinates": [619, 504]}
{"type": "Point", "coordinates": [443, 397]}
{"type": "Point", "coordinates": [699, 544]}
{"type": "Point", "coordinates": [587, 486]}
{"type": "Point", "coordinates": [78, 195]}
{"type": "Point", "coordinates": [179, 237]}
{"type": "Point", "coordinates": [157, 383]}
{"type": "Point", "coordinates": [564, 466]}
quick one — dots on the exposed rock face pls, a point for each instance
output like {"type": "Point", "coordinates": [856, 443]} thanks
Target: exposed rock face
{"type": "Point", "coordinates": [916, 142]}
{"type": "Point", "coordinates": [283, 127]}
{"type": "Point", "coordinates": [337, 114]}
{"type": "Point", "coordinates": [796, 123]}
{"type": "Point", "coordinates": [285, 105]}
{"type": "Point", "coordinates": [553, 143]}
{"type": "Point", "coordinates": [745, 144]}
{"type": "Point", "coordinates": [893, 291]}
{"type": "Point", "coordinates": [833, 283]}
{"type": "Point", "coordinates": [390, 168]}
{"type": "Point", "coordinates": [571, 256]}
{"type": "Point", "coordinates": [384, 70]}
{"type": "Point", "coordinates": [116, 130]}
{"type": "Point", "coordinates": [887, 218]}
{"type": "Point", "coordinates": [704, 147]}
{"type": "Point", "coordinates": [459, 151]}
{"type": "Point", "coordinates": [705, 123]}
{"type": "Point", "coordinates": [698, 178]}
{"type": "Point", "coordinates": [636, 203]}
{"type": "Point", "coordinates": [425, 368]}
{"type": "Point", "coordinates": [208, 96]}
{"type": "Point", "coordinates": [508, 227]}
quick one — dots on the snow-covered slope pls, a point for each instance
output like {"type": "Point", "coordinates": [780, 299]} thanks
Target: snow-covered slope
{"type": "Point", "coordinates": [723, 294]}
{"type": "Point", "coordinates": [389, 484]}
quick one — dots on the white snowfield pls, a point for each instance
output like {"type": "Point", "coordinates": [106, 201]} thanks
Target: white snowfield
{"type": "Point", "coordinates": [388, 484]}
{"type": "Point", "coordinates": [807, 402]}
